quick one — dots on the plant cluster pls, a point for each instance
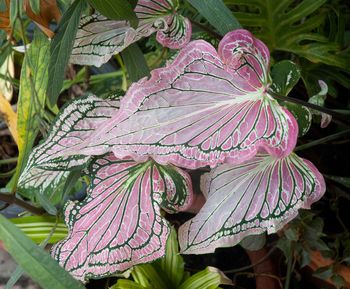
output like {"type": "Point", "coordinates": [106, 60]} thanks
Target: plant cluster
{"type": "Point", "coordinates": [225, 110]}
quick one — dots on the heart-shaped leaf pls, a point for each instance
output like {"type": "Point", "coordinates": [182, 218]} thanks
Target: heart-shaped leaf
{"type": "Point", "coordinates": [202, 109]}
{"type": "Point", "coordinates": [119, 224]}
{"type": "Point", "coordinates": [261, 194]}
{"type": "Point", "coordinates": [99, 38]}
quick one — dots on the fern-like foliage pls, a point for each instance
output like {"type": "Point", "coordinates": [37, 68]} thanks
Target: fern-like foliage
{"type": "Point", "coordinates": [296, 27]}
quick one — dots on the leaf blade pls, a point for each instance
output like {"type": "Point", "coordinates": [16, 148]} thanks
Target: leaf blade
{"type": "Point", "coordinates": [37, 263]}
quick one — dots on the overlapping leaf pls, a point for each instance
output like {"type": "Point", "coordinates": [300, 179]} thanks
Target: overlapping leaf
{"type": "Point", "coordinates": [261, 194]}
{"type": "Point", "coordinates": [202, 109]}
{"type": "Point", "coordinates": [119, 224]}
{"type": "Point", "coordinates": [98, 38]}
{"type": "Point", "coordinates": [292, 27]}
{"type": "Point", "coordinates": [76, 123]}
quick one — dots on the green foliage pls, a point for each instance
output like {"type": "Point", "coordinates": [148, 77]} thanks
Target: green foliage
{"type": "Point", "coordinates": [285, 75]}
{"type": "Point", "coordinates": [116, 9]}
{"type": "Point", "coordinates": [32, 96]}
{"type": "Point", "coordinates": [135, 62]}
{"type": "Point", "coordinates": [292, 26]}
{"type": "Point", "coordinates": [34, 260]}
{"type": "Point", "coordinates": [61, 47]}
{"type": "Point", "coordinates": [217, 14]}
{"type": "Point", "coordinates": [169, 273]}
{"type": "Point", "coordinates": [35, 5]}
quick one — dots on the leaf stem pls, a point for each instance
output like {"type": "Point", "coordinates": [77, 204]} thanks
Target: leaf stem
{"type": "Point", "coordinates": [289, 267]}
{"type": "Point", "coordinates": [13, 200]}
{"type": "Point", "coordinates": [8, 161]}
{"type": "Point", "coordinates": [322, 140]}
{"type": "Point", "coordinates": [332, 112]}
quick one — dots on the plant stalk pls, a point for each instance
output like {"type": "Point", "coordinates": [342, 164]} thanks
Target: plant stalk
{"type": "Point", "coordinates": [13, 200]}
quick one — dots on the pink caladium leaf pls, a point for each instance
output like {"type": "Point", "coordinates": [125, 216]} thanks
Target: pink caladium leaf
{"type": "Point", "coordinates": [119, 224]}
{"type": "Point", "coordinates": [202, 109]}
{"type": "Point", "coordinates": [261, 194]}
{"type": "Point", "coordinates": [98, 38]}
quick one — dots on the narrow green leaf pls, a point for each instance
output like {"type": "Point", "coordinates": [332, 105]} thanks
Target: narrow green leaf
{"type": "Point", "coordinates": [126, 284]}
{"type": "Point", "coordinates": [324, 272]}
{"type": "Point", "coordinates": [38, 228]}
{"type": "Point", "coordinates": [16, 275]}
{"type": "Point", "coordinates": [208, 278]}
{"type": "Point", "coordinates": [218, 15]}
{"type": "Point", "coordinates": [116, 9]}
{"type": "Point", "coordinates": [173, 264]}
{"type": "Point", "coordinates": [340, 180]}
{"type": "Point", "coordinates": [32, 96]}
{"type": "Point", "coordinates": [135, 62]}
{"type": "Point", "coordinates": [61, 48]}
{"type": "Point", "coordinates": [35, 5]}
{"type": "Point", "coordinates": [34, 260]}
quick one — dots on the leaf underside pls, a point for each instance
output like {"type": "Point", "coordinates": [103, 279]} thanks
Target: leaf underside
{"type": "Point", "coordinates": [119, 224]}
{"type": "Point", "coordinates": [261, 194]}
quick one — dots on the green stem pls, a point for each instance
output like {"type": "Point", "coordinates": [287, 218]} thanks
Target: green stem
{"type": "Point", "coordinates": [8, 161]}
{"type": "Point", "coordinates": [322, 140]}
{"type": "Point", "coordinates": [13, 200]}
{"type": "Point", "coordinates": [289, 267]}
{"type": "Point", "coordinates": [332, 112]}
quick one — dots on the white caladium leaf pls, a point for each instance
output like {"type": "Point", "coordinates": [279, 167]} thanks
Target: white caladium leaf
{"type": "Point", "coordinates": [204, 108]}
{"type": "Point", "coordinates": [119, 224]}
{"type": "Point", "coordinates": [76, 123]}
{"type": "Point", "coordinates": [44, 182]}
{"type": "Point", "coordinates": [261, 194]}
{"type": "Point", "coordinates": [46, 176]}
{"type": "Point", "coordinates": [319, 99]}
{"type": "Point", "coordinates": [98, 38]}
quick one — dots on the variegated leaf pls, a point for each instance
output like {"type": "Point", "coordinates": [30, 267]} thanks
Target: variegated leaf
{"type": "Point", "coordinates": [177, 33]}
{"type": "Point", "coordinates": [44, 175]}
{"type": "Point", "coordinates": [202, 109]}
{"type": "Point", "coordinates": [119, 224]}
{"type": "Point", "coordinates": [77, 122]}
{"type": "Point", "coordinates": [99, 38]}
{"type": "Point", "coordinates": [261, 194]}
{"type": "Point", "coordinates": [44, 182]}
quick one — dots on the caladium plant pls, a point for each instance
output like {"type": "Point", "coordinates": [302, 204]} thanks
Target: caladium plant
{"type": "Point", "coordinates": [206, 107]}
{"type": "Point", "coordinates": [98, 38]}
{"type": "Point", "coordinates": [258, 195]}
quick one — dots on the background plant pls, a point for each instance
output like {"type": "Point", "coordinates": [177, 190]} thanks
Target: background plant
{"type": "Point", "coordinates": [313, 34]}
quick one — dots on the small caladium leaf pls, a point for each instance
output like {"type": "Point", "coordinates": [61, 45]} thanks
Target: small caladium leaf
{"type": "Point", "coordinates": [261, 194]}
{"type": "Point", "coordinates": [302, 115]}
{"type": "Point", "coordinates": [177, 33]}
{"type": "Point", "coordinates": [285, 75]}
{"type": "Point", "coordinates": [119, 224]}
{"type": "Point", "coordinates": [99, 38]}
{"type": "Point", "coordinates": [319, 99]}
{"type": "Point", "coordinates": [204, 108]}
